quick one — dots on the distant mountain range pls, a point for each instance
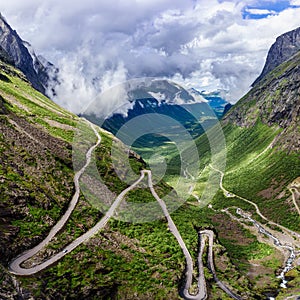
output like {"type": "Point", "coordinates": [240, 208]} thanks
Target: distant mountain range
{"type": "Point", "coordinates": [215, 100]}
{"type": "Point", "coordinates": [195, 111]}
{"type": "Point", "coordinates": [14, 50]}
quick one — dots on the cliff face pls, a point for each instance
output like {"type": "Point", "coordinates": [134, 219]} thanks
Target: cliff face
{"type": "Point", "coordinates": [20, 54]}
{"type": "Point", "coordinates": [275, 98]}
{"type": "Point", "coordinates": [5, 57]}
{"type": "Point", "coordinates": [282, 50]}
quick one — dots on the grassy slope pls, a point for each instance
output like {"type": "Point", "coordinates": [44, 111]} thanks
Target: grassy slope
{"type": "Point", "coordinates": [264, 177]}
{"type": "Point", "coordinates": [263, 180]}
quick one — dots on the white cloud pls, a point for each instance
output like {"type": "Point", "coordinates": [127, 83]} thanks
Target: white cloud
{"type": "Point", "coordinates": [255, 11]}
{"type": "Point", "coordinates": [295, 2]}
{"type": "Point", "coordinates": [96, 44]}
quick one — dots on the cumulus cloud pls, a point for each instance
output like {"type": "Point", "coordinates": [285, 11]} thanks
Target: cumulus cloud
{"type": "Point", "coordinates": [295, 2]}
{"type": "Point", "coordinates": [96, 44]}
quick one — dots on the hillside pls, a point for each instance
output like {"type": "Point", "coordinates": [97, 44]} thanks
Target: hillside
{"type": "Point", "coordinates": [275, 101]}
{"type": "Point", "coordinates": [253, 218]}
{"type": "Point", "coordinates": [262, 133]}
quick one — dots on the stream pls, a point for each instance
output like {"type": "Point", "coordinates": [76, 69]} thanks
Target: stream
{"type": "Point", "coordinates": [289, 263]}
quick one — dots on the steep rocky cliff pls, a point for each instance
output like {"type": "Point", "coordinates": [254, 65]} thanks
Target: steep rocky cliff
{"type": "Point", "coordinates": [282, 50]}
{"type": "Point", "coordinates": [274, 100]}
{"type": "Point", "coordinates": [38, 71]}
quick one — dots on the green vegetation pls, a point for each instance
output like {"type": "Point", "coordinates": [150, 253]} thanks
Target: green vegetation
{"type": "Point", "coordinates": [37, 108]}
{"type": "Point", "coordinates": [261, 178]}
{"type": "Point", "coordinates": [254, 250]}
{"type": "Point", "coordinates": [140, 196]}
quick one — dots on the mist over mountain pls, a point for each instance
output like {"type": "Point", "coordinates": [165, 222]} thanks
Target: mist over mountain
{"type": "Point", "coordinates": [142, 99]}
{"type": "Point", "coordinates": [202, 44]}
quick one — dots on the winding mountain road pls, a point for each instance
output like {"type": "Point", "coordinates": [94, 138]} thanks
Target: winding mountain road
{"type": "Point", "coordinates": [15, 265]}
{"type": "Point", "coordinates": [261, 229]}
{"type": "Point", "coordinates": [16, 268]}
{"type": "Point", "coordinates": [211, 266]}
{"type": "Point", "coordinates": [202, 293]}
{"type": "Point", "coordinates": [202, 289]}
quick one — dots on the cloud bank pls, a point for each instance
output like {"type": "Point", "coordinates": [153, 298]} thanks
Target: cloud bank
{"type": "Point", "coordinates": [207, 45]}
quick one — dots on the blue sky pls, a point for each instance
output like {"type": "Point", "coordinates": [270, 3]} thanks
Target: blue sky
{"type": "Point", "coordinates": [263, 9]}
{"type": "Point", "coordinates": [205, 44]}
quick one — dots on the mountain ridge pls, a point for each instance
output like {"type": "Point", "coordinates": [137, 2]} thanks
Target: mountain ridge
{"type": "Point", "coordinates": [39, 72]}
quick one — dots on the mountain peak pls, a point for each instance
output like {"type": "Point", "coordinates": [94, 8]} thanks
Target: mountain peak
{"type": "Point", "coordinates": [20, 53]}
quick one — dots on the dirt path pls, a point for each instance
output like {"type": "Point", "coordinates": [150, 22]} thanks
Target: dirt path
{"type": "Point", "coordinates": [295, 196]}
